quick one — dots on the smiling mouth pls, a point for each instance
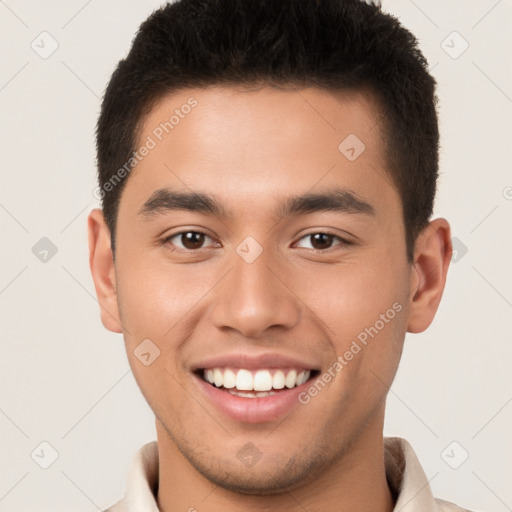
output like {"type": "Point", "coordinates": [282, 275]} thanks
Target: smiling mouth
{"type": "Point", "coordinates": [258, 383]}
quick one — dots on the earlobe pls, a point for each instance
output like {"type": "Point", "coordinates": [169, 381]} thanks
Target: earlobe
{"type": "Point", "coordinates": [432, 255]}
{"type": "Point", "coordinates": [101, 262]}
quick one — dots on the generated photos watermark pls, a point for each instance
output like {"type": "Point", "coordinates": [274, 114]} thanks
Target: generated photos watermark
{"type": "Point", "coordinates": [151, 142]}
{"type": "Point", "coordinates": [357, 345]}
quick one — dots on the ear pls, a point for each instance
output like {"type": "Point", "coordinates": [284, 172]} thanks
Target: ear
{"type": "Point", "coordinates": [101, 261]}
{"type": "Point", "coordinates": [432, 256]}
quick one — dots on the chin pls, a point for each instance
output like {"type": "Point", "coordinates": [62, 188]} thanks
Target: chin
{"type": "Point", "coordinates": [265, 478]}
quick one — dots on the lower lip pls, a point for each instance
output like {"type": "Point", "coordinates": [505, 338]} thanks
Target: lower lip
{"type": "Point", "coordinates": [253, 410]}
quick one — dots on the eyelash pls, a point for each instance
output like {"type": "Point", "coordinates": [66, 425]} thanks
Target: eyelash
{"type": "Point", "coordinates": [168, 239]}
{"type": "Point", "coordinates": [342, 241]}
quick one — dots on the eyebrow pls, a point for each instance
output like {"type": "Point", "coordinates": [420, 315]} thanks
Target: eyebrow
{"type": "Point", "coordinates": [336, 199]}
{"type": "Point", "coordinates": [166, 199]}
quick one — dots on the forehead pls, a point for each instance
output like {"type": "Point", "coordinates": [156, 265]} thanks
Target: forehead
{"type": "Point", "coordinates": [248, 146]}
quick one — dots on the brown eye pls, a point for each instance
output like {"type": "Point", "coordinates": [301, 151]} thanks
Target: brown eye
{"type": "Point", "coordinates": [320, 241]}
{"type": "Point", "coordinates": [189, 240]}
{"type": "Point", "coordinates": [192, 239]}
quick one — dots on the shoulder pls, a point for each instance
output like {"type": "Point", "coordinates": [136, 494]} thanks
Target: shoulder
{"type": "Point", "coordinates": [117, 507]}
{"type": "Point", "coordinates": [447, 506]}
{"type": "Point", "coordinates": [114, 508]}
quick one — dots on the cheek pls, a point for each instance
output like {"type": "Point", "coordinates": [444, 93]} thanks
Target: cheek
{"type": "Point", "coordinates": [363, 313]}
{"type": "Point", "coordinates": [363, 309]}
{"type": "Point", "coordinates": [156, 307]}
{"type": "Point", "coordinates": [353, 295]}
{"type": "Point", "coordinates": [155, 298]}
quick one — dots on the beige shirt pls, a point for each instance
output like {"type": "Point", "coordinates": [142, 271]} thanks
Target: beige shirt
{"type": "Point", "coordinates": [403, 470]}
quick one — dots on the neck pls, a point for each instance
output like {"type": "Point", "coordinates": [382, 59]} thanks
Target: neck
{"type": "Point", "coordinates": [356, 483]}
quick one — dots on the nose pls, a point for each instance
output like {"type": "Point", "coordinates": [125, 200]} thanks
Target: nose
{"type": "Point", "coordinates": [255, 298]}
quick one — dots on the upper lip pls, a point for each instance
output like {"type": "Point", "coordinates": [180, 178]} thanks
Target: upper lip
{"type": "Point", "coordinates": [254, 362]}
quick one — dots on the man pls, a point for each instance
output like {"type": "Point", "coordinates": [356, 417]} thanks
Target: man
{"type": "Point", "coordinates": [268, 172]}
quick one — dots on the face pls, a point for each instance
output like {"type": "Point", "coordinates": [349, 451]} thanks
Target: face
{"type": "Point", "coordinates": [261, 249]}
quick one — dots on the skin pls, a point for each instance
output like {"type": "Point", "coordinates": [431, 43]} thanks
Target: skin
{"type": "Point", "coordinates": [252, 150]}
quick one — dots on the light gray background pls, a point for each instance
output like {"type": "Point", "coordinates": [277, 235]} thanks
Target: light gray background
{"type": "Point", "coordinates": [65, 380]}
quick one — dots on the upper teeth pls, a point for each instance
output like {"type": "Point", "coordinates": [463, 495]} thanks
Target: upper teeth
{"type": "Point", "coordinates": [261, 380]}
